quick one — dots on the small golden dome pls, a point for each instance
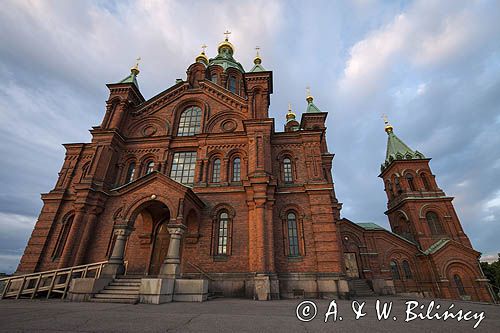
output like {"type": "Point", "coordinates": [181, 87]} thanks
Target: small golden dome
{"type": "Point", "coordinates": [226, 43]}
{"type": "Point", "coordinates": [202, 57]}
{"type": "Point", "coordinates": [388, 127]}
{"type": "Point", "coordinates": [135, 70]}
{"type": "Point", "coordinates": [290, 115]}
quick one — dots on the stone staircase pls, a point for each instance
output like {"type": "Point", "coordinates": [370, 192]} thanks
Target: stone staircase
{"type": "Point", "coordinates": [123, 289]}
{"type": "Point", "coordinates": [360, 288]}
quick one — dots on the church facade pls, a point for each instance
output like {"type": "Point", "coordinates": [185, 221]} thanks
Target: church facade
{"type": "Point", "coordinates": [196, 182]}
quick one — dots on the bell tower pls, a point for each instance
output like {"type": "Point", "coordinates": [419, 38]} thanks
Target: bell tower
{"type": "Point", "coordinates": [417, 208]}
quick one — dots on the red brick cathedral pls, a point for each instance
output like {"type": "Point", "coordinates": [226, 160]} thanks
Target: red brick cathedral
{"type": "Point", "coordinates": [197, 182]}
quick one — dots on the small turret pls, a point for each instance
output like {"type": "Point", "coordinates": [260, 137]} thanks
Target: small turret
{"type": "Point", "coordinates": [257, 62]}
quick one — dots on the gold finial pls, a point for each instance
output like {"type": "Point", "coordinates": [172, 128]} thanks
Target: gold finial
{"type": "Point", "coordinates": [309, 97]}
{"type": "Point", "coordinates": [135, 70]}
{"type": "Point", "coordinates": [257, 60]}
{"type": "Point", "coordinates": [227, 33]}
{"type": "Point", "coordinates": [202, 57]}
{"type": "Point", "coordinates": [388, 127]}
{"type": "Point", "coordinates": [290, 115]}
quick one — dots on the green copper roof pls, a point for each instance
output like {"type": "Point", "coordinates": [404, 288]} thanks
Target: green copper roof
{"type": "Point", "coordinates": [370, 226]}
{"type": "Point", "coordinates": [225, 59]}
{"type": "Point", "coordinates": [132, 78]}
{"type": "Point", "coordinates": [436, 246]}
{"type": "Point", "coordinates": [398, 150]}
{"type": "Point", "coordinates": [311, 108]}
{"type": "Point", "coordinates": [257, 68]}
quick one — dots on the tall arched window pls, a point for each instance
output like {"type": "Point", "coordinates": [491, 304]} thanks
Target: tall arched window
{"type": "Point", "coordinates": [395, 270]}
{"type": "Point", "coordinates": [61, 239]}
{"type": "Point", "coordinates": [214, 78]}
{"type": "Point", "coordinates": [411, 184]}
{"type": "Point", "coordinates": [222, 234]}
{"type": "Point", "coordinates": [231, 84]}
{"type": "Point", "coordinates": [190, 122]}
{"type": "Point", "coordinates": [293, 235]}
{"type": "Point", "coordinates": [425, 181]}
{"type": "Point", "coordinates": [150, 166]}
{"type": "Point", "coordinates": [287, 170]}
{"type": "Point", "coordinates": [236, 170]}
{"type": "Point", "coordinates": [389, 189]}
{"type": "Point", "coordinates": [216, 171]}
{"type": "Point", "coordinates": [459, 285]}
{"type": "Point", "coordinates": [130, 172]}
{"type": "Point", "coordinates": [407, 270]}
{"type": "Point", "coordinates": [434, 223]}
{"type": "Point", "coordinates": [398, 185]}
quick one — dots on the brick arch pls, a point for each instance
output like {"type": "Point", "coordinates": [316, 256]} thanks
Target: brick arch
{"type": "Point", "coordinates": [431, 207]}
{"type": "Point", "coordinates": [220, 117]}
{"type": "Point", "coordinates": [183, 105]}
{"type": "Point", "coordinates": [405, 255]}
{"type": "Point", "coordinates": [222, 206]}
{"type": "Point", "coordinates": [463, 265]}
{"type": "Point", "coordinates": [138, 205]}
{"type": "Point", "coordinates": [298, 210]}
{"type": "Point", "coordinates": [467, 274]}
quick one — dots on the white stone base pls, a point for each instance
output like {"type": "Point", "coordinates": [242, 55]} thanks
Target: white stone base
{"type": "Point", "coordinates": [157, 291]}
{"type": "Point", "coordinates": [190, 290]}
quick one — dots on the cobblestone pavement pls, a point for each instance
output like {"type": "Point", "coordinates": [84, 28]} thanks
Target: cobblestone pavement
{"type": "Point", "coordinates": [237, 315]}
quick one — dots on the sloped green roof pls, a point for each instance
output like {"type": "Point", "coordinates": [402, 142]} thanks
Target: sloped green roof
{"type": "Point", "coordinates": [398, 150]}
{"type": "Point", "coordinates": [258, 68]}
{"type": "Point", "coordinates": [132, 78]}
{"type": "Point", "coordinates": [436, 246]}
{"type": "Point", "coordinates": [370, 226]}
{"type": "Point", "coordinates": [311, 108]}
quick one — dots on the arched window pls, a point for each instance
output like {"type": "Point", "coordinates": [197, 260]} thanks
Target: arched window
{"type": "Point", "coordinates": [425, 181]}
{"type": "Point", "coordinates": [85, 170]}
{"type": "Point", "coordinates": [411, 184]}
{"type": "Point", "coordinates": [395, 270]}
{"type": "Point", "coordinates": [223, 234]}
{"type": "Point", "coordinates": [231, 84]}
{"type": "Point", "coordinates": [130, 172]}
{"type": "Point", "coordinates": [459, 285]}
{"type": "Point", "coordinates": [407, 270]}
{"type": "Point", "coordinates": [389, 189]}
{"type": "Point", "coordinates": [287, 170]}
{"type": "Point", "coordinates": [434, 223]}
{"type": "Point", "coordinates": [214, 78]}
{"type": "Point", "coordinates": [61, 239]}
{"type": "Point", "coordinates": [190, 122]}
{"type": "Point", "coordinates": [236, 170]}
{"type": "Point", "coordinates": [293, 236]}
{"type": "Point", "coordinates": [216, 171]}
{"type": "Point", "coordinates": [183, 166]}
{"type": "Point", "coordinates": [150, 166]}
{"type": "Point", "coordinates": [398, 185]}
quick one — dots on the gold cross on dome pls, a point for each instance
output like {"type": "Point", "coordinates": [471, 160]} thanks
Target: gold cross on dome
{"type": "Point", "coordinates": [384, 116]}
{"type": "Point", "coordinates": [137, 63]}
{"type": "Point", "coordinates": [257, 48]}
{"type": "Point", "coordinates": [203, 47]}
{"type": "Point", "coordinates": [227, 33]}
{"type": "Point", "coordinates": [289, 106]}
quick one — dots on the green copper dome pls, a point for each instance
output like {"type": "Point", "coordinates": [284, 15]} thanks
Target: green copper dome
{"type": "Point", "coordinates": [225, 57]}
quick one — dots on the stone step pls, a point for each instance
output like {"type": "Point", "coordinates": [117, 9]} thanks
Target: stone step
{"type": "Point", "coordinates": [124, 296]}
{"type": "Point", "coordinates": [121, 292]}
{"type": "Point", "coordinates": [122, 287]}
{"type": "Point", "coordinates": [128, 280]}
{"type": "Point", "coordinates": [125, 284]}
{"type": "Point", "coordinates": [115, 300]}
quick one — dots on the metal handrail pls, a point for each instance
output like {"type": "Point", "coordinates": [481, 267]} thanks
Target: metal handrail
{"type": "Point", "coordinates": [200, 270]}
{"type": "Point", "coordinates": [53, 281]}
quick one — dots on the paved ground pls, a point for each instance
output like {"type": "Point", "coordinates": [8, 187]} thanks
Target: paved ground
{"type": "Point", "coordinates": [231, 315]}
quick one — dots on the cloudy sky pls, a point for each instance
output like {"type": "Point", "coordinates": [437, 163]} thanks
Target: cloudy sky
{"type": "Point", "coordinates": [432, 66]}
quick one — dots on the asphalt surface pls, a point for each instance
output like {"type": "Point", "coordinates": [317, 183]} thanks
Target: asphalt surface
{"type": "Point", "coordinates": [238, 315]}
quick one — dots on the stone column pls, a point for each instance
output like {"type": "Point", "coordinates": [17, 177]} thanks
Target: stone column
{"type": "Point", "coordinates": [115, 264]}
{"type": "Point", "coordinates": [171, 266]}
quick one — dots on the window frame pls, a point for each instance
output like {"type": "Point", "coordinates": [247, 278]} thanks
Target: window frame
{"type": "Point", "coordinates": [147, 167]}
{"type": "Point", "coordinates": [215, 170]}
{"type": "Point", "coordinates": [396, 275]}
{"type": "Point", "coordinates": [299, 227]}
{"type": "Point", "coordinates": [189, 124]}
{"type": "Point", "coordinates": [179, 174]}
{"type": "Point", "coordinates": [435, 225]}
{"type": "Point", "coordinates": [233, 169]}
{"type": "Point", "coordinates": [457, 279]}
{"type": "Point", "coordinates": [217, 218]}
{"type": "Point", "coordinates": [407, 270]}
{"type": "Point", "coordinates": [62, 237]}
{"type": "Point", "coordinates": [131, 170]}
{"type": "Point", "coordinates": [411, 182]}
{"type": "Point", "coordinates": [287, 168]}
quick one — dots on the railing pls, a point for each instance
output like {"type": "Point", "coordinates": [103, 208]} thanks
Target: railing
{"type": "Point", "coordinates": [55, 281]}
{"type": "Point", "coordinates": [200, 270]}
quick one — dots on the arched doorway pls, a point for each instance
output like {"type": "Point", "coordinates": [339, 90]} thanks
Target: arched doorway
{"type": "Point", "coordinates": [150, 236]}
{"type": "Point", "coordinates": [160, 248]}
